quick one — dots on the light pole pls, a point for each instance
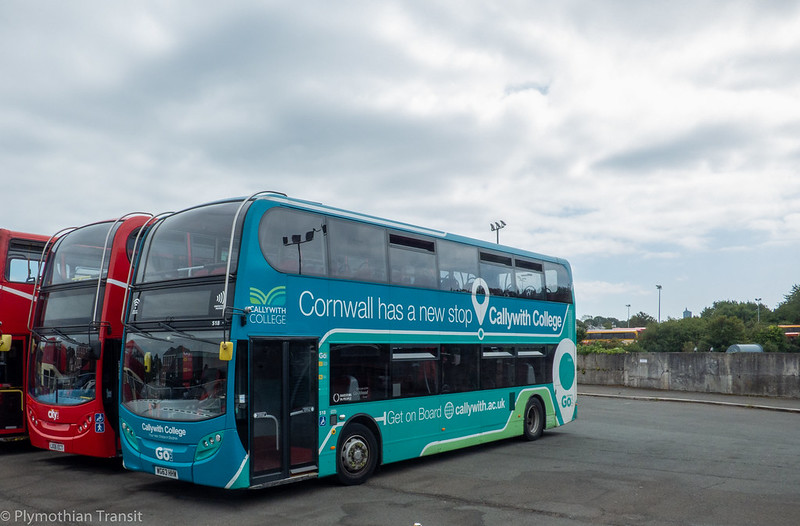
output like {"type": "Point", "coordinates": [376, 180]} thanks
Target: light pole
{"type": "Point", "coordinates": [298, 239]}
{"type": "Point", "coordinates": [629, 314]}
{"type": "Point", "coordinates": [758, 309]}
{"type": "Point", "coordinates": [496, 226]}
{"type": "Point", "coordinates": [659, 303]}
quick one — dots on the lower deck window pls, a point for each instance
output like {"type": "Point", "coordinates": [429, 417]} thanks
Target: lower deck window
{"type": "Point", "coordinates": [497, 367]}
{"type": "Point", "coordinates": [370, 372]}
{"type": "Point", "coordinates": [460, 368]}
{"type": "Point", "coordinates": [415, 371]}
{"type": "Point", "coordinates": [359, 373]}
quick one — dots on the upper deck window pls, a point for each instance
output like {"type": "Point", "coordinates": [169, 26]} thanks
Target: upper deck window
{"type": "Point", "coordinates": [358, 251]}
{"type": "Point", "coordinates": [310, 244]}
{"type": "Point", "coordinates": [412, 261]}
{"type": "Point", "coordinates": [458, 266]}
{"type": "Point", "coordinates": [82, 254]}
{"type": "Point", "coordinates": [22, 263]}
{"type": "Point", "coordinates": [294, 241]}
{"type": "Point", "coordinates": [498, 273]}
{"type": "Point", "coordinates": [559, 285]}
{"type": "Point", "coordinates": [190, 244]}
{"type": "Point", "coordinates": [530, 279]}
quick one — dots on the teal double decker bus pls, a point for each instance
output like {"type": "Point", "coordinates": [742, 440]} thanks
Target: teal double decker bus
{"type": "Point", "coordinates": [271, 340]}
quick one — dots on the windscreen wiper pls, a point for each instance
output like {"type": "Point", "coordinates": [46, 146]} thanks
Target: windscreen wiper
{"type": "Point", "coordinates": [137, 330]}
{"type": "Point", "coordinates": [185, 334]}
{"type": "Point", "coordinates": [69, 338]}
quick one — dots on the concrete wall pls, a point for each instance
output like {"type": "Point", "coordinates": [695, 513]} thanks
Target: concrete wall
{"type": "Point", "coordinates": [761, 374]}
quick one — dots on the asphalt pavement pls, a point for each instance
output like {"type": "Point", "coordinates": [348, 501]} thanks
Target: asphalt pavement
{"type": "Point", "coordinates": [624, 461]}
{"type": "Point", "coordinates": [789, 405]}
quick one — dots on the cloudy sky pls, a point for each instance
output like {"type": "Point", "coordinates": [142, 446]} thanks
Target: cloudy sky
{"type": "Point", "coordinates": [646, 142]}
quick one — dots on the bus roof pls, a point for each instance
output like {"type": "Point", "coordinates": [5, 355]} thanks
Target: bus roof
{"type": "Point", "coordinates": [315, 206]}
{"type": "Point", "coordinates": [21, 235]}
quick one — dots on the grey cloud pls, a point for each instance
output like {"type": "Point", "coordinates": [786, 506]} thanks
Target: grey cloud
{"type": "Point", "coordinates": [709, 143]}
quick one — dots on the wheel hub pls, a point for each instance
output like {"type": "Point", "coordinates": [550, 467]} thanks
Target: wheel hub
{"type": "Point", "coordinates": [355, 454]}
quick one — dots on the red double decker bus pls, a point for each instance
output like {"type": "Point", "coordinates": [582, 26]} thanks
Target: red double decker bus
{"type": "Point", "coordinates": [20, 256]}
{"type": "Point", "coordinates": [77, 329]}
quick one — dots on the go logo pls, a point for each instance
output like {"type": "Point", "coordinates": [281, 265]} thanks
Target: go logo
{"type": "Point", "coordinates": [565, 379]}
{"type": "Point", "coordinates": [165, 454]}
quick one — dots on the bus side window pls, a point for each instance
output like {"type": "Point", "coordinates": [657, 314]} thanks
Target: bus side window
{"type": "Point", "coordinates": [498, 273]}
{"type": "Point", "coordinates": [412, 261]}
{"type": "Point", "coordinates": [22, 265]}
{"type": "Point", "coordinates": [559, 286]}
{"type": "Point", "coordinates": [359, 373]}
{"type": "Point", "coordinates": [291, 238]}
{"type": "Point", "coordinates": [497, 367]}
{"type": "Point", "coordinates": [415, 370]}
{"type": "Point", "coordinates": [458, 266]}
{"type": "Point", "coordinates": [459, 368]}
{"type": "Point", "coordinates": [530, 365]}
{"type": "Point", "coordinates": [530, 279]}
{"type": "Point", "coordinates": [346, 386]}
{"type": "Point", "coordinates": [358, 251]}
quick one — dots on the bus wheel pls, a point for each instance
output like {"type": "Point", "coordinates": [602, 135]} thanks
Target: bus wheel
{"type": "Point", "coordinates": [358, 455]}
{"type": "Point", "coordinates": [534, 419]}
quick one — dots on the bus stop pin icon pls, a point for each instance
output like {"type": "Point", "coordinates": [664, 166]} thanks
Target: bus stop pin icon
{"type": "Point", "coordinates": [480, 307]}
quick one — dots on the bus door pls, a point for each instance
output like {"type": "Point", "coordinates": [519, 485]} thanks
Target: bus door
{"type": "Point", "coordinates": [11, 384]}
{"type": "Point", "coordinates": [283, 409]}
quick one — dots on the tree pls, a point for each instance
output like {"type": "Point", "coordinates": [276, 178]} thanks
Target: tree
{"type": "Point", "coordinates": [675, 336]}
{"type": "Point", "coordinates": [581, 331]}
{"type": "Point", "coordinates": [601, 321]}
{"type": "Point", "coordinates": [642, 320]}
{"type": "Point", "coordinates": [724, 331]}
{"type": "Point", "coordinates": [788, 311]}
{"type": "Point", "coordinates": [749, 312]}
{"type": "Point", "coordinates": [720, 326]}
{"type": "Point", "coordinates": [771, 338]}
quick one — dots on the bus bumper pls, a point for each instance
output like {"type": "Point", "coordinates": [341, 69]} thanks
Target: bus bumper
{"type": "Point", "coordinates": [216, 459]}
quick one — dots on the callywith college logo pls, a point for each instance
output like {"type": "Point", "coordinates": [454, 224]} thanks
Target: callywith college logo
{"type": "Point", "coordinates": [267, 308]}
{"type": "Point", "coordinates": [511, 318]}
{"type": "Point", "coordinates": [276, 297]}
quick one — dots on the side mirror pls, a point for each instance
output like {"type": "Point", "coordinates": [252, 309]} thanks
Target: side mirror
{"type": "Point", "coordinates": [148, 362]}
{"type": "Point", "coordinates": [5, 343]}
{"type": "Point", "coordinates": [226, 351]}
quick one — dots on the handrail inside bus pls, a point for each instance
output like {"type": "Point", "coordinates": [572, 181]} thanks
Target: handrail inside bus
{"type": "Point", "coordinates": [37, 283]}
{"type": "Point", "coordinates": [230, 245]}
{"type": "Point", "coordinates": [153, 219]}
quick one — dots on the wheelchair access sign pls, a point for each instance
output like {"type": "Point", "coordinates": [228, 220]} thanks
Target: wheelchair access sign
{"type": "Point", "coordinates": [99, 423]}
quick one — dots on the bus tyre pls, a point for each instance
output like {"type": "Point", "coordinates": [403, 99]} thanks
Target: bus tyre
{"type": "Point", "coordinates": [534, 419]}
{"type": "Point", "coordinates": [358, 455]}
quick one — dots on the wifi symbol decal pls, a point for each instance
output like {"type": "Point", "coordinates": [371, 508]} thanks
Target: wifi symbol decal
{"type": "Point", "coordinates": [275, 297]}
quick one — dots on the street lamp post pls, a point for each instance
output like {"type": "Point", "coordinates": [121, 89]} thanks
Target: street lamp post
{"type": "Point", "coordinates": [298, 239]}
{"type": "Point", "coordinates": [629, 314]}
{"type": "Point", "coordinates": [758, 309]}
{"type": "Point", "coordinates": [496, 226]}
{"type": "Point", "coordinates": [659, 303]}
